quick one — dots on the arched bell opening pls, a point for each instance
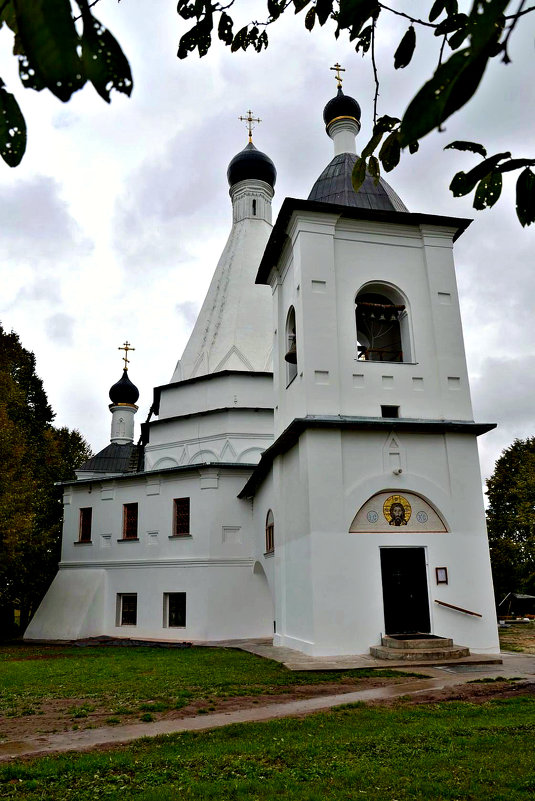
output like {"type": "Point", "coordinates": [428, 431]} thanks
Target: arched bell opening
{"type": "Point", "coordinates": [290, 356]}
{"type": "Point", "coordinates": [382, 324]}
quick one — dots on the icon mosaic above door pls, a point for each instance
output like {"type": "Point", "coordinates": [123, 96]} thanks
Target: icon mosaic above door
{"type": "Point", "coordinates": [397, 512]}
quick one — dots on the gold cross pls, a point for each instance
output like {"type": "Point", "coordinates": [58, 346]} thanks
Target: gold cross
{"type": "Point", "coordinates": [338, 69]}
{"type": "Point", "coordinates": [249, 119]}
{"type": "Point", "coordinates": [126, 347]}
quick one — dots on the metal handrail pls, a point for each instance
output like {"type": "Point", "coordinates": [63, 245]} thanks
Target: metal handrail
{"type": "Point", "coordinates": [458, 608]}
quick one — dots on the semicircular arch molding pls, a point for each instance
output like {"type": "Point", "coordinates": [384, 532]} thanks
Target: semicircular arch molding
{"type": "Point", "coordinates": [394, 511]}
{"type": "Point", "coordinates": [203, 456]}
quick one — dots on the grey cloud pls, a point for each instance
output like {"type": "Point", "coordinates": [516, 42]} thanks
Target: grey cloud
{"type": "Point", "coordinates": [60, 328]}
{"type": "Point", "coordinates": [188, 311]}
{"type": "Point", "coordinates": [40, 289]}
{"type": "Point", "coordinates": [36, 223]}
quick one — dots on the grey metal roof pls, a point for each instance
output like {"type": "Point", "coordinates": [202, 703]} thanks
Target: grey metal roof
{"type": "Point", "coordinates": [114, 458]}
{"type": "Point", "coordinates": [334, 186]}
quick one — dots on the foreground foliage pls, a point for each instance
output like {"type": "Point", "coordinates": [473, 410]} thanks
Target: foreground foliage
{"type": "Point", "coordinates": [442, 751]}
{"type": "Point", "coordinates": [61, 46]}
{"type": "Point", "coordinates": [511, 520]}
{"type": "Point", "coordinates": [33, 454]}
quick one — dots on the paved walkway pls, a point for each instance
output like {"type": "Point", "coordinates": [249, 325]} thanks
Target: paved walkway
{"type": "Point", "coordinates": [514, 665]}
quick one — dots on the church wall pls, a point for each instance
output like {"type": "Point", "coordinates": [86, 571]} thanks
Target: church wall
{"type": "Point", "coordinates": [236, 435]}
{"type": "Point", "coordinates": [216, 391]}
{"type": "Point", "coordinates": [213, 565]}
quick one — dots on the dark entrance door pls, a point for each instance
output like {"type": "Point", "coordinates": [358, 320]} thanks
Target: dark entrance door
{"type": "Point", "coordinates": [405, 596]}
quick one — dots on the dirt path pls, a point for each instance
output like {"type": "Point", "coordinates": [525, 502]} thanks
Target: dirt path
{"type": "Point", "coordinates": [431, 690]}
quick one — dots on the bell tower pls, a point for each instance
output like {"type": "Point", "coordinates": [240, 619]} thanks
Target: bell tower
{"type": "Point", "coordinates": [375, 448]}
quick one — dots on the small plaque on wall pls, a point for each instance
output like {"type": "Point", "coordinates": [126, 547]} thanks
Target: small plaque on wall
{"type": "Point", "coordinates": [441, 574]}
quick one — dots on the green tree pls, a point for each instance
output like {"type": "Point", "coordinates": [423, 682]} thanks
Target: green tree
{"type": "Point", "coordinates": [61, 46]}
{"type": "Point", "coordinates": [511, 519]}
{"type": "Point", "coordinates": [34, 455]}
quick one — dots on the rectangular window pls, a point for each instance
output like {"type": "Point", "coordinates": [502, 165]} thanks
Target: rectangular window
{"type": "Point", "coordinates": [181, 517]}
{"type": "Point", "coordinates": [130, 521]}
{"type": "Point", "coordinates": [84, 533]}
{"type": "Point", "coordinates": [174, 610]}
{"type": "Point", "coordinates": [389, 411]}
{"type": "Point", "coordinates": [127, 609]}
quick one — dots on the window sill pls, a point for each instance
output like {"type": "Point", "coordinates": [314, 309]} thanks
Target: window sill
{"type": "Point", "coordinates": [128, 539]}
{"type": "Point", "coordinates": [267, 554]}
{"type": "Point", "coordinates": [180, 537]}
{"type": "Point", "coordinates": [83, 542]}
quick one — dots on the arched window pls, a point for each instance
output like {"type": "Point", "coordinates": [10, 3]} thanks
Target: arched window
{"type": "Point", "coordinates": [382, 325]}
{"type": "Point", "coordinates": [291, 347]}
{"type": "Point", "coordinates": [270, 532]}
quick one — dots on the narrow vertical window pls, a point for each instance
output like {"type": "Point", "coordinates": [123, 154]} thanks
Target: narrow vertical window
{"type": "Point", "coordinates": [84, 533]}
{"type": "Point", "coordinates": [270, 532]}
{"type": "Point", "coordinates": [130, 521]}
{"type": "Point", "coordinates": [174, 610]}
{"type": "Point", "coordinates": [254, 208]}
{"type": "Point", "coordinates": [291, 347]}
{"type": "Point", "coordinates": [127, 609]}
{"type": "Point", "coordinates": [181, 523]}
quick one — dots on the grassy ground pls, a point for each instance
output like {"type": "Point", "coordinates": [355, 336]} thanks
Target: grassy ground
{"type": "Point", "coordinates": [444, 751]}
{"type": "Point", "coordinates": [121, 682]}
{"type": "Point", "coordinates": [520, 637]}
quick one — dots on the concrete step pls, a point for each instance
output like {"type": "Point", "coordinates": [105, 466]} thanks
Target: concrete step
{"type": "Point", "coordinates": [416, 642]}
{"type": "Point", "coordinates": [417, 654]}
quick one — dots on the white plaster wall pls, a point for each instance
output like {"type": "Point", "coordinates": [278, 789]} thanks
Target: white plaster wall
{"type": "Point", "coordinates": [333, 578]}
{"type": "Point", "coordinates": [216, 392]}
{"type": "Point", "coordinates": [330, 262]}
{"type": "Point", "coordinates": [73, 607]}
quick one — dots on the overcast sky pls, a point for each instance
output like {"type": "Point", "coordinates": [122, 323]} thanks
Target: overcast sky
{"type": "Point", "coordinates": [113, 224]}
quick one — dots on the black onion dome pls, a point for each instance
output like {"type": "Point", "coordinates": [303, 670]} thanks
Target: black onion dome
{"type": "Point", "coordinates": [124, 391]}
{"type": "Point", "coordinates": [341, 106]}
{"type": "Point", "coordinates": [251, 163]}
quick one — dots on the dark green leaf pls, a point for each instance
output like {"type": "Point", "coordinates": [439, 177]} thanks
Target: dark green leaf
{"type": "Point", "coordinates": [473, 147]}
{"type": "Point", "coordinates": [300, 5]}
{"type": "Point", "coordinates": [414, 147]}
{"type": "Point", "coordinates": [453, 23]}
{"type": "Point", "coordinates": [310, 19]}
{"type": "Point", "coordinates": [323, 10]}
{"type": "Point", "coordinates": [525, 197]}
{"type": "Point", "coordinates": [458, 38]}
{"type": "Point", "coordinates": [274, 9]}
{"type": "Point", "coordinates": [50, 42]}
{"type": "Point", "coordinates": [354, 14]}
{"type": "Point", "coordinates": [385, 124]}
{"type": "Point", "coordinates": [436, 10]}
{"type": "Point", "coordinates": [372, 144]}
{"type": "Point", "coordinates": [240, 40]}
{"type": "Point", "coordinates": [224, 29]}
{"type": "Point", "coordinates": [516, 164]}
{"type": "Point", "coordinates": [374, 169]}
{"type": "Point", "coordinates": [188, 10]}
{"type": "Point", "coordinates": [12, 129]}
{"type": "Point", "coordinates": [7, 15]}
{"type": "Point", "coordinates": [488, 191]}
{"type": "Point", "coordinates": [364, 39]}
{"type": "Point", "coordinates": [486, 22]}
{"type": "Point", "coordinates": [359, 174]}
{"type": "Point", "coordinates": [452, 85]}
{"type": "Point", "coordinates": [104, 62]}
{"type": "Point", "coordinates": [404, 53]}
{"type": "Point", "coordinates": [451, 6]}
{"type": "Point", "coordinates": [390, 152]}
{"type": "Point", "coordinates": [464, 182]}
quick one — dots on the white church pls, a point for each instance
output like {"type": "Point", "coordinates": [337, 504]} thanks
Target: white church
{"type": "Point", "coordinates": [310, 473]}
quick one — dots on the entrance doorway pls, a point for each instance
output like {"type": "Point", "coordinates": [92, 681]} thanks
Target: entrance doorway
{"type": "Point", "coordinates": [405, 595]}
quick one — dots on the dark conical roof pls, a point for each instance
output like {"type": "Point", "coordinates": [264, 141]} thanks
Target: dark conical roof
{"type": "Point", "coordinates": [124, 391]}
{"type": "Point", "coordinates": [251, 163]}
{"type": "Point", "coordinates": [341, 106]}
{"type": "Point", "coordinates": [334, 186]}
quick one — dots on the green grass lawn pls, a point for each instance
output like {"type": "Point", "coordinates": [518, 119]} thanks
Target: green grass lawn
{"type": "Point", "coordinates": [447, 751]}
{"type": "Point", "coordinates": [128, 680]}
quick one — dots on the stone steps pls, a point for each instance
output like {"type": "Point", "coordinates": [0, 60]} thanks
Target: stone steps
{"type": "Point", "coordinates": [417, 648]}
